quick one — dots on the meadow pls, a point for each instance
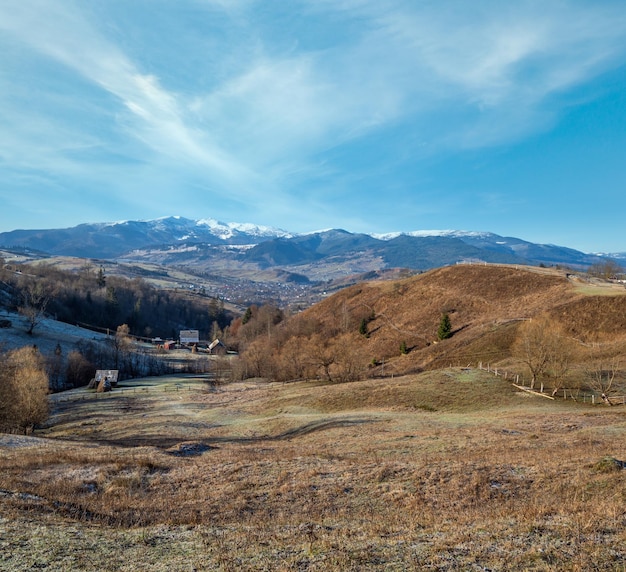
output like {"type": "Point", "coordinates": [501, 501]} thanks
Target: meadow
{"type": "Point", "coordinates": [445, 470]}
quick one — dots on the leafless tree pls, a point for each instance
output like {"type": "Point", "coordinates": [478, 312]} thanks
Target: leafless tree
{"type": "Point", "coordinates": [350, 363]}
{"type": "Point", "coordinates": [607, 269]}
{"type": "Point", "coordinates": [561, 355]}
{"type": "Point", "coordinates": [531, 348]}
{"type": "Point", "coordinates": [293, 362]}
{"type": "Point", "coordinates": [601, 375]}
{"type": "Point", "coordinates": [256, 357]}
{"type": "Point", "coordinates": [321, 355]}
{"type": "Point", "coordinates": [34, 300]}
{"type": "Point", "coordinates": [546, 350]}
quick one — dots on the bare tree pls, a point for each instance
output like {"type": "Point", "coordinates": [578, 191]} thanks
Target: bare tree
{"type": "Point", "coordinates": [351, 361]}
{"type": "Point", "coordinates": [293, 363]}
{"type": "Point", "coordinates": [560, 357]}
{"type": "Point", "coordinates": [546, 350]}
{"type": "Point", "coordinates": [531, 348]}
{"type": "Point", "coordinates": [79, 369]}
{"type": "Point", "coordinates": [121, 344]}
{"type": "Point", "coordinates": [321, 355]}
{"type": "Point", "coordinates": [34, 300]}
{"type": "Point", "coordinates": [601, 375]}
{"type": "Point", "coordinates": [256, 358]}
{"type": "Point", "coordinates": [606, 269]}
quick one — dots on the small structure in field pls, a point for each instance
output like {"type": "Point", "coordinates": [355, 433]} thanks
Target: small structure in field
{"type": "Point", "coordinates": [216, 347]}
{"type": "Point", "coordinates": [105, 380]}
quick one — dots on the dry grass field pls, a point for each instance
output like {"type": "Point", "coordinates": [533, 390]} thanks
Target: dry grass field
{"type": "Point", "coordinates": [446, 470]}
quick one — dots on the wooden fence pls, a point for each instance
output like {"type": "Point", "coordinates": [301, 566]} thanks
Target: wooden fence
{"type": "Point", "coordinates": [565, 393]}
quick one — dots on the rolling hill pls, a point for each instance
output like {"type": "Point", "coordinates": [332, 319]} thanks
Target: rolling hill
{"type": "Point", "coordinates": [486, 305]}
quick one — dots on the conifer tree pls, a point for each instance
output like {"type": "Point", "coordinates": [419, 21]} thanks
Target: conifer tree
{"type": "Point", "coordinates": [247, 316]}
{"type": "Point", "coordinates": [101, 278]}
{"type": "Point", "coordinates": [363, 328]}
{"type": "Point", "coordinates": [445, 328]}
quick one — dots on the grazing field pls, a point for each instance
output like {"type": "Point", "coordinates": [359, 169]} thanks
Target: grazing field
{"type": "Point", "coordinates": [446, 470]}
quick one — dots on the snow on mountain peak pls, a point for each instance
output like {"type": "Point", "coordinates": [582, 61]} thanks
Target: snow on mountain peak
{"type": "Point", "coordinates": [228, 230]}
{"type": "Point", "coordinates": [426, 233]}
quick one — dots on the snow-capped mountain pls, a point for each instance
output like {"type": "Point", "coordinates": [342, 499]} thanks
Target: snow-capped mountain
{"type": "Point", "coordinates": [115, 239]}
{"type": "Point", "coordinates": [203, 242]}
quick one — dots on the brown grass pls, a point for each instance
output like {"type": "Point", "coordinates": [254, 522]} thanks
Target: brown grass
{"type": "Point", "coordinates": [449, 470]}
{"type": "Point", "coordinates": [486, 304]}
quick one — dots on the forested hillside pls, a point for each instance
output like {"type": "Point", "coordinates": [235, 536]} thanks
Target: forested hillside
{"type": "Point", "coordinates": [90, 298]}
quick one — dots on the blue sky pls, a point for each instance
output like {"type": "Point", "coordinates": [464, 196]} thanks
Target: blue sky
{"type": "Point", "coordinates": [365, 115]}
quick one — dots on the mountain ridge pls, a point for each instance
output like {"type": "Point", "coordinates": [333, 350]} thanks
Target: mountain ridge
{"type": "Point", "coordinates": [208, 243]}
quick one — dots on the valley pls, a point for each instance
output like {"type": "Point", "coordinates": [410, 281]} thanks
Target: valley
{"type": "Point", "coordinates": [345, 436]}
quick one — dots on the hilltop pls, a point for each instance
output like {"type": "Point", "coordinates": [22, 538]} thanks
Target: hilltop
{"type": "Point", "coordinates": [486, 304]}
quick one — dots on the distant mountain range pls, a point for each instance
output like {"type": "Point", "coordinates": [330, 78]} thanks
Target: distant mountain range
{"type": "Point", "coordinates": [209, 244]}
{"type": "Point", "coordinates": [116, 239]}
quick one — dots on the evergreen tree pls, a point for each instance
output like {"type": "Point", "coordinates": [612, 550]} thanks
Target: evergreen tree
{"type": "Point", "coordinates": [247, 316]}
{"type": "Point", "coordinates": [101, 279]}
{"type": "Point", "coordinates": [445, 328]}
{"type": "Point", "coordinates": [363, 328]}
{"type": "Point", "coordinates": [112, 305]}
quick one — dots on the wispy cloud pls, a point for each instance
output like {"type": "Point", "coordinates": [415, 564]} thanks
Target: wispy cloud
{"type": "Point", "coordinates": [148, 112]}
{"type": "Point", "coordinates": [488, 59]}
{"type": "Point", "coordinates": [259, 100]}
{"type": "Point", "coordinates": [408, 60]}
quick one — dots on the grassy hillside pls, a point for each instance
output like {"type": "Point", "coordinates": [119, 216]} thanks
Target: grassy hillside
{"type": "Point", "coordinates": [448, 470]}
{"type": "Point", "coordinates": [486, 305]}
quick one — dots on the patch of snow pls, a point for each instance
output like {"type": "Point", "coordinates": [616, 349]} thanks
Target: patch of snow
{"type": "Point", "coordinates": [387, 236]}
{"type": "Point", "coordinates": [189, 248]}
{"type": "Point", "coordinates": [228, 230]}
{"type": "Point", "coordinates": [428, 233]}
{"type": "Point", "coordinates": [238, 246]}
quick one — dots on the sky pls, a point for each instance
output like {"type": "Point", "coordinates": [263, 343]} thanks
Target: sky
{"type": "Point", "coordinates": [370, 116]}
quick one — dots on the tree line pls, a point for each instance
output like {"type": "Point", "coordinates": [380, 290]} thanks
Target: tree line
{"type": "Point", "coordinates": [90, 297]}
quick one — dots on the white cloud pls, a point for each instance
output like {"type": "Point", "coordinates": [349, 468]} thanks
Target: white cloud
{"type": "Point", "coordinates": [154, 116]}
{"type": "Point", "coordinates": [489, 59]}
{"type": "Point", "coordinates": [261, 117]}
